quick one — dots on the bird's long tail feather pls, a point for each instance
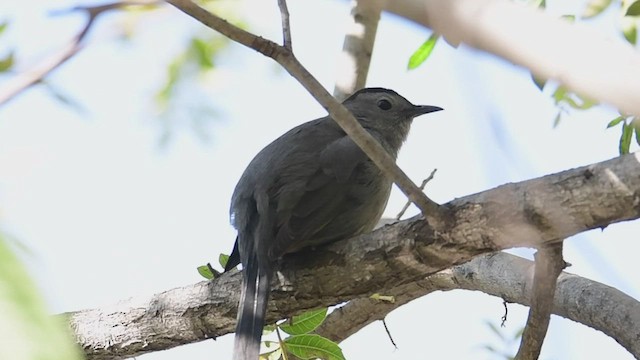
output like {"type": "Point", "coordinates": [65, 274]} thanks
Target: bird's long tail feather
{"type": "Point", "coordinates": [256, 286]}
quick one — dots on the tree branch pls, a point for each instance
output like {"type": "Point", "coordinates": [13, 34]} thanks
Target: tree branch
{"type": "Point", "coordinates": [26, 79]}
{"type": "Point", "coordinates": [506, 276]}
{"type": "Point", "coordinates": [358, 47]}
{"type": "Point", "coordinates": [432, 211]}
{"type": "Point", "coordinates": [504, 28]}
{"type": "Point", "coordinates": [511, 215]}
{"type": "Point", "coordinates": [548, 266]}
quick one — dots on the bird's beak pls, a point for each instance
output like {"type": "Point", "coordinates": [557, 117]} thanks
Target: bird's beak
{"type": "Point", "coordinates": [424, 109]}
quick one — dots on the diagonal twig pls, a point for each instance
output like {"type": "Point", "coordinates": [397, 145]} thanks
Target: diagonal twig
{"type": "Point", "coordinates": [432, 212]}
{"type": "Point", "coordinates": [286, 25]}
{"type": "Point", "coordinates": [26, 79]}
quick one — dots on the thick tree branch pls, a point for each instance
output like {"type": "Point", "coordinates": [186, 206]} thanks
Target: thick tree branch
{"type": "Point", "coordinates": [358, 47]}
{"type": "Point", "coordinates": [432, 212]}
{"type": "Point", "coordinates": [548, 266]}
{"type": "Point", "coordinates": [509, 277]}
{"type": "Point", "coordinates": [530, 213]}
{"type": "Point", "coordinates": [594, 66]}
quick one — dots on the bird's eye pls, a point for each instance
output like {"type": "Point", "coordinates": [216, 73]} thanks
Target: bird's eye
{"type": "Point", "coordinates": [384, 104]}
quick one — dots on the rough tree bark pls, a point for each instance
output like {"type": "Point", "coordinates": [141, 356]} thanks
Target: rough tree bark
{"type": "Point", "coordinates": [534, 212]}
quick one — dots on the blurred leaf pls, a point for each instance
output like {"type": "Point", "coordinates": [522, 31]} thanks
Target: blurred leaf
{"type": "Point", "coordinates": [568, 17]}
{"type": "Point", "coordinates": [633, 9]}
{"type": "Point", "coordinates": [313, 346]}
{"type": "Point", "coordinates": [494, 329]}
{"type": "Point", "coordinates": [615, 122]}
{"type": "Point", "coordinates": [595, 7]}
{"type": "Point", "coordinates": [559, 94]}
{"type": "Point", "coordinates": [629, 29]}
{"type": "Point", "coordinates": [518, 334]}
{"type": "Point", "coordinates": [625, 138]}
{"type": "Point", "coordinates": [223, 259]}
{"type": "Point", "coordinates": [423, 52]}
{"type": "Point", "coordinates": [540, 82]}
{"type": "Point", "coordinates": [539, 3]}
{"type": "Point", "coordinates": [3, 26]}
{"type": "Point", "coordinates": [304, 323]}
{"type": "Point", "coordinates": [206, 272]}
{"type": "Point", "coordinates": [28, 331]}
{"type": "Point", "coordinates": [557, 119]}
{"type": "Point", "coordinates": [7, 62]}
{"type": "Point", "coordinates": [204, 52]}
{"type": "Point", "coordinates": [268, 329]}
{"type": "Point", "coordinates": [562, 95]}
{"type": "Point", "coordinates": [271, 355]}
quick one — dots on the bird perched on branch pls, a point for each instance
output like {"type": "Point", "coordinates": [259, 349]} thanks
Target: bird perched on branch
{"type": "Point", "coordinates": [311, 186]}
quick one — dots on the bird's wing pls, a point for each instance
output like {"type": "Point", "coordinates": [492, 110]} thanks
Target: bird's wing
{"type": "Point", "coordinates": [316, 197]}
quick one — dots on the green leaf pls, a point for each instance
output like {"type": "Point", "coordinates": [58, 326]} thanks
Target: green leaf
{"type": "Point", "coordinates": [633, 9]}
{"type": "Point", "coordinates": [559, 94]}
{"type": "Point", "coordinates": [570, 18]}
{"type": "Point", "coordinates": [423, 52]}
{"type": "Point", "coordinates": [625, 138]}
{"type": "Point", "coordinates": [595, 7]}
{"type": "Point", "coordinates": [203, 52]}
{"type": "Point", "coordinates": [629, 29]}
{"type": "Point", "coordinates": [29, 332]}
{"type": "Point", "coordinates": [304, 323]}
{"type": "Point", "coordinates": [313, 346]}
{"type": "Point", "coordinates": [3, 26]}
{"type": "Point", "coordinates": [635, 123]}
{"type": "Point", "coordinates": [223, 259]}
{"type": "Point", "coordinates": [6, 63]}
{"type": "Point", "coordinates": [615, 121]}
{"type": "Point", "coordinates": [205, 271]}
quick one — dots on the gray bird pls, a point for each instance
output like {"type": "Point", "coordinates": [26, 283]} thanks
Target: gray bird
{"type": "Point", "coordinates": [311, 186]}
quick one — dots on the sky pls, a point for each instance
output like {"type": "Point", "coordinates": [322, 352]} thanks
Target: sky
{"type": "Point", "coordinates": [109, 212]}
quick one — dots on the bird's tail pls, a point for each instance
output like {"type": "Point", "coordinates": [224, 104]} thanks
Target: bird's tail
{"type": "Point", "coordinates": [256, 286]}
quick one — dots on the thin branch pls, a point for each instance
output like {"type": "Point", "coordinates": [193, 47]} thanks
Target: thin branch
{"type": "Point", "coordinates": [432, 212]}
{"type": "Point", "coordinates": [386, 329]}
{"type": "Point", "coordinates": [424, 183]}
{"type": "Point", "coordinates": [25, 80]}
{"type": "Point", "coordinates": [353, 66]}
{"type": "Point", "coordinates": [286, 26]}
{"type": "Point", "coordinates": [548, 266]}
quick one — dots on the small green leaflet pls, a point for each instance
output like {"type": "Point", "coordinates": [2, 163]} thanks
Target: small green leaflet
{"type": "Point", "coordinates": [205, 271]}
{"type": "Point", "coordinates": [223, 259]}
{"type": "Point", "coordinates": [6, 63]}
{"type": "Point", "coordinates": [625, 138]}
{"type": "Point", "coordinates": [423, 52]}
{"type": "Point", "coordinates": [313, 346]}
{"type": "Point", "coordinates": [304, 323]}
{"type": "Point", "coordinates": [615, 122]}
{"type": "Point", "coordinates": [633, 9]}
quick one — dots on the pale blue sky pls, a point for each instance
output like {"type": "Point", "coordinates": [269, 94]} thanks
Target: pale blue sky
{"type": "Point", "coordinates": [109, 214]}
